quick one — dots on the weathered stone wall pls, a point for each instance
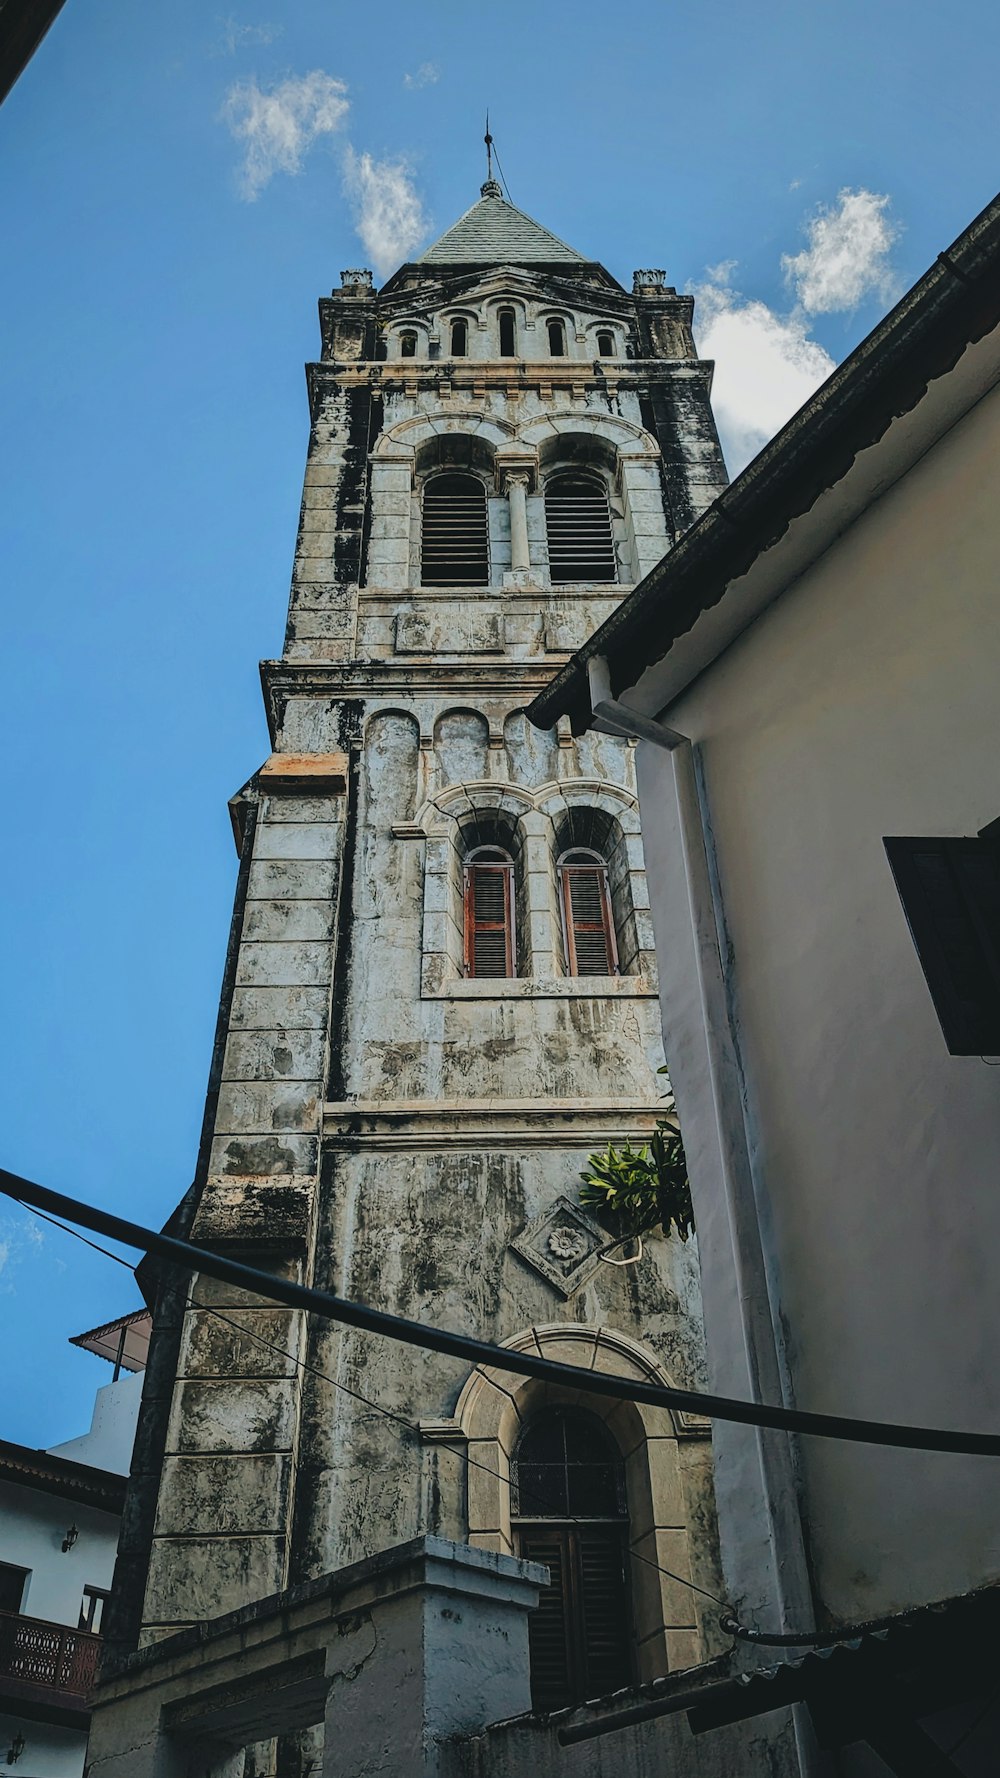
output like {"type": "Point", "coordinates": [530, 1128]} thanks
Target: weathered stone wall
{"type": "Point", "coordinates": [386, 1127]}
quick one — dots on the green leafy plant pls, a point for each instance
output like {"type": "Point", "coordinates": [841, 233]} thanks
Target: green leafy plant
{"type": "Point", "coordinates": [636, 1190]}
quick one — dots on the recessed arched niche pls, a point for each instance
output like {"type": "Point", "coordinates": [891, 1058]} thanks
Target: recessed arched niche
{"type": "Point", "coordinates": [532, 754]}
{"type": "Point", "coordinates": [461, 744]}
{"type": "Point", "coordinates": [390, 766]}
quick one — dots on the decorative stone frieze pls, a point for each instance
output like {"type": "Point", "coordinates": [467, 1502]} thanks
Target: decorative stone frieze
{"type": "Point", "coordinates": [562, 1246]}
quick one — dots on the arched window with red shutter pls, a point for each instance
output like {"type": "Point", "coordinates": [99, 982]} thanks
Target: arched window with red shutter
{"type": "Point", "coordinates": [588, 923]}
{"type": "Point", "coordinates": [489, 913]}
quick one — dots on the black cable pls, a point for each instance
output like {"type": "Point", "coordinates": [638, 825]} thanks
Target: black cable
{"type": "Point", "coordinates": [802, 1639]}
{"type": "Point", "coordinates": [729, 1623]}
{"type": "Point", "coordinates": [377, 1407]}
{"type": "Point", "coordinates": [482, 1352]}
{"type": "Point", "coordinates": [56, 1224]}
{"type": "Point", "coordinates": [454, 1447]}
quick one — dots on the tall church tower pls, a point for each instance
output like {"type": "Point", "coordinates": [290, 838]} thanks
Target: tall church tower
{"type": "Point", "coordinates": [440, 995]}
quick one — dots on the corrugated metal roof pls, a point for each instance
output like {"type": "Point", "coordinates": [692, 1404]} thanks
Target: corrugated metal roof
{"type": "Point", "coordinates": [493, 232]}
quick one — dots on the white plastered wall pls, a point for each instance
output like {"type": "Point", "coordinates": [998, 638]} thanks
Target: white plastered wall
{"type": "Point", "coordinates": [862, 704]}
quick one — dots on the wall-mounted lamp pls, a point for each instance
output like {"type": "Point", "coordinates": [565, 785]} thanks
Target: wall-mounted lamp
{"type": "Point", "coordinates": [15, 1750]}
{"type": "Point", "coordinates": [70, 1539]}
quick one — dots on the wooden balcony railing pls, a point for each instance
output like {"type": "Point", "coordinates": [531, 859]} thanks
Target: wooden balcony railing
{"type": "Point", "coordinates": [49, 1657]}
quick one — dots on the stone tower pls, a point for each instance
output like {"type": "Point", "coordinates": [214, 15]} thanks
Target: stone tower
{"type": "Point", "coordinates": [440, 993]}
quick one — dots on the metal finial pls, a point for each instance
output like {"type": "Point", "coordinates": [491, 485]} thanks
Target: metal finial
{"type": "Point", "coordinates": [492, 188]}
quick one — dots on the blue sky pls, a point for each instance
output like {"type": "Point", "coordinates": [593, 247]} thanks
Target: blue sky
{"type": "Point", "coordinates": [179, 185]}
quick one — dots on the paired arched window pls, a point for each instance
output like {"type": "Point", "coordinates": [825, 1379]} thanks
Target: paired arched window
{"type": "Point", "coordinates": [588, 923]}
{"type": "Point", "coordinates": [454, 536]}
{"type": "Point", "coordinates": [407, 345]}
{"type": "Point", "coordinates": [578, 527]}
{"type": "Point", "coordinates": [489, 913]}
{"type": "Point", "coordinates": [460, 339]}
{"type": "Point", "coordinates": [508, 334]}
{"type": "Point", "coordinates": [557, 339]}
{"type": "Point", "coordinates": [568, 1511]}
{"type": "Point", "coordinates": [605, 344]}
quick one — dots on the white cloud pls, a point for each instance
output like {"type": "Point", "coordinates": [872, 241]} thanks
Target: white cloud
{"type": "Point", "coordinates": [389, 215]}
{"type": "Point", "coordinates": [847, 257]}
{"type": "Point", "coordinates": [279, 126]}
{"type": "Point", "coordinates": [766, 365]}
{"type": "Point", "coordinates": [17, 1238]}
{"type": "Point", "coordinates": [236, 36]}
{"type": "Point", "coordinates": [427, 75]}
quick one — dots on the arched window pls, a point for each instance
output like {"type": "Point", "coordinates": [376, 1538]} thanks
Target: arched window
{"type": "Point", "coordinates": [578, 525]}
{"type": "Point", "coordinates": [588, 925]}
{"type": "Point", "coordinates": [454, 540]}
{"type": "Point", "coordinates": [508, 337]}
{"type": "Point", "coordinates": [460, 339]}
{"type": "Point", "coordinates": [605, 345]}
{"type": "Point", "coordinates": [568, 1511]}
{"type": "Point", "coordinates": [557, 339]}
{"type": "Point", "coordinates": [407, 345]}
{"type": "Point", "coordinates": [489, 912]}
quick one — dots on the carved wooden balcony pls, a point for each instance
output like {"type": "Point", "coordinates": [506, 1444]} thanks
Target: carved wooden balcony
{"type": "Point", "coordinates": [46, 1670]}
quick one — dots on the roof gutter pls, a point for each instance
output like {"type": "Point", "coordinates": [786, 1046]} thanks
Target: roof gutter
{"type": "Point", "coordinates": [956, 303]}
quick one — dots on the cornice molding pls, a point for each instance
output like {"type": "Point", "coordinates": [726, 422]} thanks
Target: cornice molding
{"type": "Point", "coordinates": [485, 1125]}
{"type": "Point", "coordinates": [516, 681]}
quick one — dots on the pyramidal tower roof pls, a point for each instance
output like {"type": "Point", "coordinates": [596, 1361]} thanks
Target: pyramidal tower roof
{"type": "Point", "coordinates": [493, 232]}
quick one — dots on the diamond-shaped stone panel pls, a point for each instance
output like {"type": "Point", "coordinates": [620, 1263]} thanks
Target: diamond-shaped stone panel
{"type": "Point", "coordinates": [562, 1246]}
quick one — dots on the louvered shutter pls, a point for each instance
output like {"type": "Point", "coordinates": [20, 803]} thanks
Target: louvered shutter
{"type": "Point", "coordinates": [590, 938]}
{"type": "Point", "coordinates": [578, 1636]}
{"type": "Point", "coordinates": [578, 527]}
{"type": "Point", "coordinates": [489, 943]}
{"type": "Point", "coordinates": [603, 1592]}
{"type": "Point", "coordinates": [454, 545]}
{"type": "Point", "coordinates": [549, 1648]}
{"type": "Point", "coordinates": [950, 890]}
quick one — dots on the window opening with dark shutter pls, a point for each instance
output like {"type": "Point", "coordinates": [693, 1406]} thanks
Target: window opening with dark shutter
{"type": "Point", "coordinates": [407, 345]}
{"type": "Point", "coordinates": [578, 527]}
{"type": "Point", "coordinates": [12, 1584]}
{"type": "Point", "coordinates": [557, 339]}
{"type": "Point", "coordinates": [508, 338]}
{"type": "Point", "coordinates": [569, 1512]}
{"type": "Point", "coordinates": [950, 891]}
{"type": "Point", "coordinates": [588, 926]}
{"type": "Point", "coordinates": [605, 345]}
{"type": "Point", "coordinates": [454, 539]}
{"type": "Point", "coordinates": [92, 1609]}
{"type": "Point", "coordinates": [459, 339]}
{"type": "Point", "coordinates": [489, 913]}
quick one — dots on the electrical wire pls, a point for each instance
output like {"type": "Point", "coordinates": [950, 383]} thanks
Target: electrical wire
{"type": "Point", "coordinates": [454, 1448]}
{"type": "Point", "coordinates": [729, 1622]}
{"type": "Point", "coordinates": [500, 170]}
{"type": "Point", "coordinates": [193, 1258]}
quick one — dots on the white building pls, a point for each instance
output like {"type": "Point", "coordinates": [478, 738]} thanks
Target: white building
{"type": "Point", "coordinates": [815, 670]}
{"type": "Point", "coordinates": [59, 1515]}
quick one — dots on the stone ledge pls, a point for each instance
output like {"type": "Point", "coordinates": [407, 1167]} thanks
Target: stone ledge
{"type": "Point", "coordinates": [486, 1124]}
{"type": "Point", "coordinates": [295, 772]}
{"type": "Point", "coordinates": [450, 1567]}
{"type": "Point", "coordinates": [588, 987]}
